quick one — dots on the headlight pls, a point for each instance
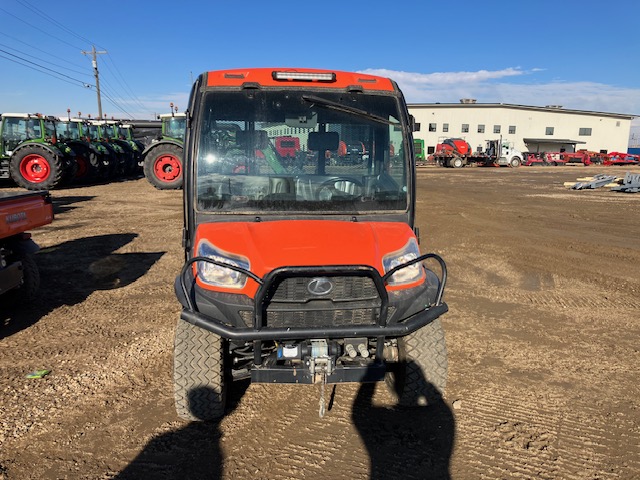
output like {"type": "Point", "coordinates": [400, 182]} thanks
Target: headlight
{"type": "Point", "coordinates": [216, 275]}
{"type": "Point", "coordinates": [407, 275]}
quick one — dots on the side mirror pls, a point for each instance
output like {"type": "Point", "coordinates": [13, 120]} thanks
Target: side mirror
{"type": "Point", "coordinates": [415, 127]}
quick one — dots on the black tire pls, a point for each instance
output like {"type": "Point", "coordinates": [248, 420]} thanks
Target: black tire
{"type": "Point", "coordinates": [163, 167]}
{"type": "Point", "coordinates": [200, 384]}
{"type": "Point", "coordinates": [420, 376]}
{"type": "Point", "coordinates": [111, 168]}
{"type": "Point", "coordinates": [34, 167]}
{"type": "Point", "coordinates": [515, 162]}
{"type": "Point", "coordinates": [87, 164]}
{"type": "Point", "coordinates": [30, 282]}
{"type": "Point", "coordinates": [130, 161]}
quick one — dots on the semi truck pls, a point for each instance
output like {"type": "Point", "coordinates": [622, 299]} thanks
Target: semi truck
{"type": "Point", "coordinates": [19, 213]}
{"type": "Point", "coordinates": [457, 153]}
{"type": "Point", "coordinates": [304, 274]}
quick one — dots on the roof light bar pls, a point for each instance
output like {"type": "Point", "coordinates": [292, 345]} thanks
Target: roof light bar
{"type": "Point", "coordinates": [304, 76]}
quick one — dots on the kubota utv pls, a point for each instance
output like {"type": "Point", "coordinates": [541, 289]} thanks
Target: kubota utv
{"type": "Point", "coordinates": [303, 271]}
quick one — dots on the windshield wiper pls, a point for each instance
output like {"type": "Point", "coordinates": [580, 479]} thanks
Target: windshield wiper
{"type": "Point", "coordinates": [322, 102]}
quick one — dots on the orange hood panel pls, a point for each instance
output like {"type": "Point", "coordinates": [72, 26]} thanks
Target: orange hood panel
{"type": "Point", "coordinates": [270, 245]}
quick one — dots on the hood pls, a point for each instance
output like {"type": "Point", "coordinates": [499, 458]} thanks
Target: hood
{"type": "Point", "coordinates": [270, 245]}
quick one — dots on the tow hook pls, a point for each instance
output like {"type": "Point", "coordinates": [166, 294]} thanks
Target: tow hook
{"type": "Point", "coordinates": [321, 365]}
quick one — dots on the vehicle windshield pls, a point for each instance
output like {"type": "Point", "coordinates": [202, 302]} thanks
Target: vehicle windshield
{"type": "Point", "coordinates": [67, 131]}
{"type": "Point", "coordinates": [108, 131]}
{"type": "Point", "coordinates": [94, 133]}
{"type": "Point", "coordinates": [263, 151]}
{"type": "Point", "coordinates": [174, 127]}
{"type": "Point", "coordinates": [49, 129]}
{"type": "Point", "coordinates": [124, 132]}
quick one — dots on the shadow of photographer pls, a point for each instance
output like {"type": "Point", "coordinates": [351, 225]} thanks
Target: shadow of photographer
{"type": "Point", "coordinates": [192, 452]}
{"type": "Point", "coordinates": [406, 442]}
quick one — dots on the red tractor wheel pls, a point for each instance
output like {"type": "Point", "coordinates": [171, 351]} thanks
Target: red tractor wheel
{"type": "Point", "coordinates": [83, 167]}
{"type": "Point", "coordinates": [36, 168]}
{"type": "Point", "coordinates": [163, 167]}
{"type": "Point", "coordinates": [167, 168]}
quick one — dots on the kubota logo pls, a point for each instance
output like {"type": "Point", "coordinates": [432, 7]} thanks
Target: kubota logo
{"type": "Point", "coordinates": [16, 217]}
{"type": "Point", "coordinates": [320, 286]}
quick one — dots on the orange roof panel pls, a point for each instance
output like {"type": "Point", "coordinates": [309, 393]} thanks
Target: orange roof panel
{"type": "Point", "coordinates": [266, 77]}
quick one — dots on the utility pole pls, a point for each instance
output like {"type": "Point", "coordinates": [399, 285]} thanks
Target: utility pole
{"type": "Point", "coordinates": [94, 62]}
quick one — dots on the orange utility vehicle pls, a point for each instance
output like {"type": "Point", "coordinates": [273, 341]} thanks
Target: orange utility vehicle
{"type": "Point", "coordinates": [307, 273]}
{"type": "Point", "coordinates": [19, 212]}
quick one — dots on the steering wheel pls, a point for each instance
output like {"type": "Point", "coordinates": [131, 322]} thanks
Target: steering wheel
{"type": "Point", "coordinates": [342, 187]}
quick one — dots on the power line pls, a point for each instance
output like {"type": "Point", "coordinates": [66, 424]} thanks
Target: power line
{"type": "Point", "coordinates": [61, 26]}
{"type": "Point", "coordinates": [115, 104]}
{"type": "Point", "coordinates": [54, 21]}
{"type": "Point", "coordinates": [40, 50]}
{"type": "Point", "coordinates": [110, 95]}
{"type": "Point", "coordinates": [119, 78]}
{"type": "Point", "coordinates": [43, 60]}
{"type": "Point", "coordinates": [84, 84]}
{"type": "Point", "coordinates": [106, 87]}
{"type": "Point", "coordinates": [33, 26]}
{"type": "Point", "coordinates": [125, 86]}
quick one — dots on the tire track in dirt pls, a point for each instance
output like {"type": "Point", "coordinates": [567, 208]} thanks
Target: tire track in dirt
{"type": "Point", "coordinates": [503, 282]}
{"type": "Point", "coordinates": [295, 444]}
{"type": "Point", "coordinates": [518, 435]}
{"type": "Point", "coordinates": [559, 300]}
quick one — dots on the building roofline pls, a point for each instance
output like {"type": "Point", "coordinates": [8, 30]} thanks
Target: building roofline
{"type": "Point", "coordinates": [511, 106]}
{"type": "Point", "coordinates": [552, 140]}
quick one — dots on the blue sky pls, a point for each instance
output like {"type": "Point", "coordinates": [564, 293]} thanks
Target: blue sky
{"type": "Point", "coordinates": [582, 55]}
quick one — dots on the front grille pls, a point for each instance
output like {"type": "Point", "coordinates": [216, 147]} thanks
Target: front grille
{"type": "Point", "coordinates": [353, 300]}
{"type": "Point", "coordinates": [311, 318]}
{"type": "Point", "coordinates": [321, 318]}
{"type": "Point", "coordinates": [350, 288]}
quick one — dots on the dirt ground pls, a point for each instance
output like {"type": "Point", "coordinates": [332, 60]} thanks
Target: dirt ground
{"type": "Point", "coordinates": [542, 334]}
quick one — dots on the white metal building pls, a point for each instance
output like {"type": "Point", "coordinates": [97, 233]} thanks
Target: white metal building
{"type": "Point", "coordinates": [529, 129]}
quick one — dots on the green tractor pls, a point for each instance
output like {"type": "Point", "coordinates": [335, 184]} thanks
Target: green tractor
{"type": "Point", "coordinates": [92, 157]}
{"type": "Point", "coordinates": [117, 168]}
{"type": "Point", "coordinates": [162, 160]}
{"type": "Point", "coordinates": [125, 132]}
{"type": "Point", "coordinates": [31, 154]}
{"type": "Point", "coordinates": [108, 131]}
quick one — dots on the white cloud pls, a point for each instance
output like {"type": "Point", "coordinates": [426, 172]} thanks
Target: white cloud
{"type": "Point", "coordinates": [450, 87]}
{"type": "Point", "coordinates": [443, 78]}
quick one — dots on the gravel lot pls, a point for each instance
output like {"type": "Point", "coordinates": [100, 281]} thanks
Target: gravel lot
{"type": "Point", "coordinates": [543, 339]}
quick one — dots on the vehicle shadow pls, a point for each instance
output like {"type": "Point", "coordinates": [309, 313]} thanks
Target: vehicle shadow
{"type": "Point", "coordinates": [71, 271]}
{"type": "Point", "coordinates": [65, 204]}
{"type": "Point", "coordinates": [405, 442]}
{"type": "Point", "coordinates": [193, 452]}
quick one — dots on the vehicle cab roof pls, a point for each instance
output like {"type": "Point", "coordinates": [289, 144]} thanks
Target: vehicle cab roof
{"type": "Point", "coordinates": [298, 77]}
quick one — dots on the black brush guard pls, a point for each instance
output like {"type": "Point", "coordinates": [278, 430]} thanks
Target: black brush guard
{"type": "Point", "coordinates": [259, 332]}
